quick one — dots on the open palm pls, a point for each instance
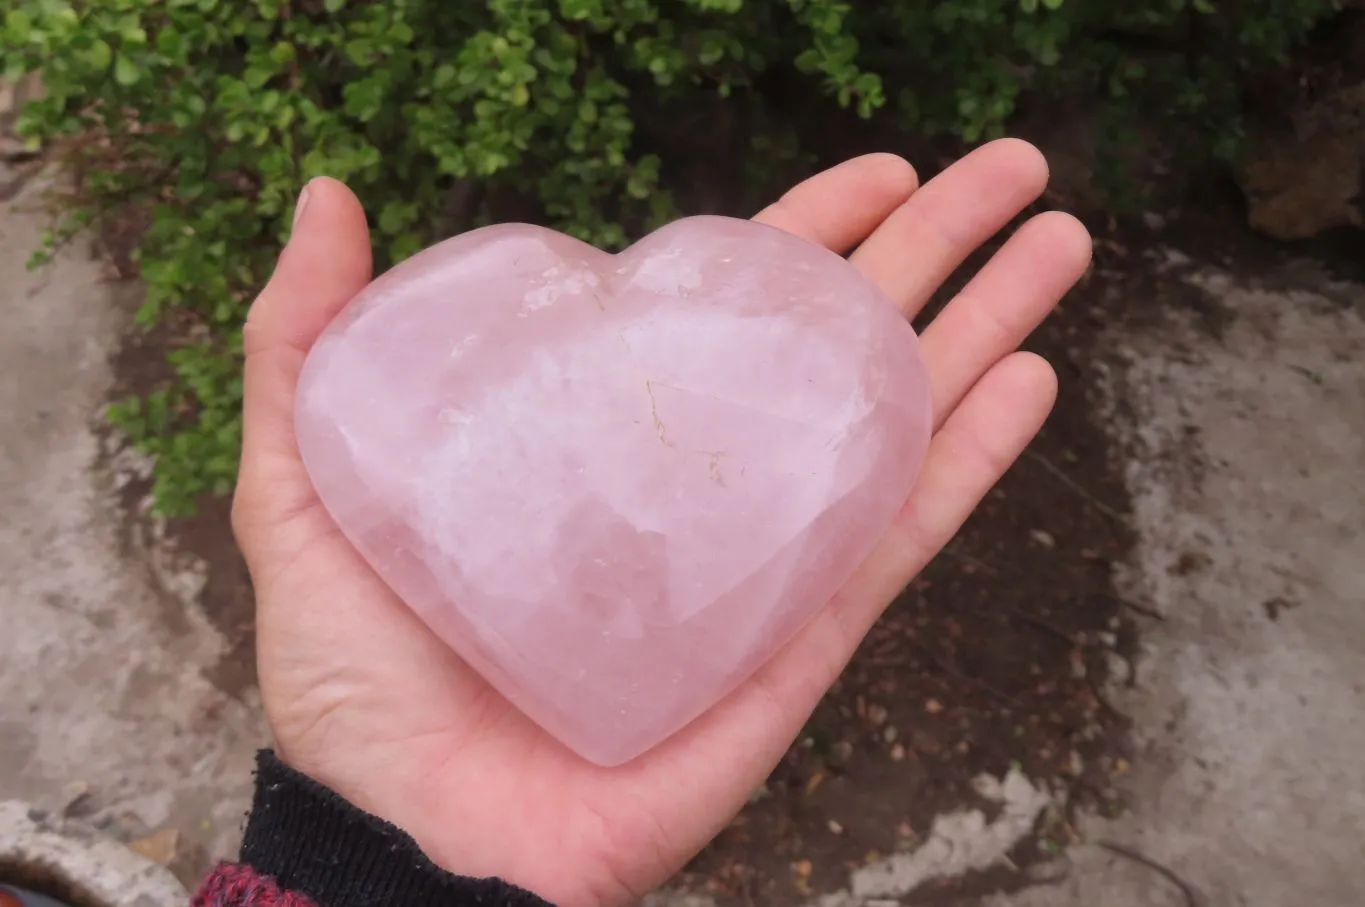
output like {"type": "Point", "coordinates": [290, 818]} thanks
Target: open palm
{"type": "Point", "coordinates": [362, 697]}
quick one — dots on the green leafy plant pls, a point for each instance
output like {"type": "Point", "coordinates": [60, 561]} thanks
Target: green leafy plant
{"type": "Point", "coordinates": [205, 117]}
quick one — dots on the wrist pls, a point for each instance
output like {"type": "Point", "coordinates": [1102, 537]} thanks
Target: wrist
{"type": "Point", "coordinates": [315, 847]}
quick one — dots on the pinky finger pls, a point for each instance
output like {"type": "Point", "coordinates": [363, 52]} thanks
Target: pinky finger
{"type": "Point", "coordinates": [976, 446]}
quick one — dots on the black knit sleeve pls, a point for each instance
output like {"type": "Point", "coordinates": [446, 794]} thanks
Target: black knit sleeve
{"type": "Point", "coordinates": [313, 842]}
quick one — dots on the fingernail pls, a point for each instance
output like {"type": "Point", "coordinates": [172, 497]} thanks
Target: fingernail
{"type": "Point", "coordinates": [299, 206]}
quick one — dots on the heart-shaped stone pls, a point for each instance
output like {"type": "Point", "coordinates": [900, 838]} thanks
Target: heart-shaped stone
{"type": "Point", "coordinates": [616, 484]}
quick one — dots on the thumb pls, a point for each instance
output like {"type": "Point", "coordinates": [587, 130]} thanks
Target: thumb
{"type": "Point", "coordinates": [325, 264]}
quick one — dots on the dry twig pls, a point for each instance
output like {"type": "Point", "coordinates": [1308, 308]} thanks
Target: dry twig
{"type": "Point", "coordinates": [1192, 898]}
{"type": "Point", "coordinates": [1071, 483]}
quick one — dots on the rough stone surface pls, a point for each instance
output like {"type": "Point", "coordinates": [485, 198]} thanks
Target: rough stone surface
{"type": "Point", "coordinates": [105, 706]}
{"type": "Point", "coordinates": [71, 860]}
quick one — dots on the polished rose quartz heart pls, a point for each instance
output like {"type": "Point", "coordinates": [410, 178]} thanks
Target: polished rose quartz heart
{"type": "Point", "coordinates": [616, 484]}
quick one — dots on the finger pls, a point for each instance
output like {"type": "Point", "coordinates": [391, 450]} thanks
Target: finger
{"type": "Point", "coordinates": [1002, 305]}
{"type": "Point", "coordinates": [840, 207]}
{"type": "Point", "coordinates": [272, 484]}
{"type": "Point", "coordinates": [326, 262]}
{"type": "Point", "coordinates": [924, 240]}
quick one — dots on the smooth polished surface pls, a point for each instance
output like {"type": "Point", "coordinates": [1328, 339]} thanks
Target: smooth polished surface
{"type": "Point", "coordinates": [615, 485]}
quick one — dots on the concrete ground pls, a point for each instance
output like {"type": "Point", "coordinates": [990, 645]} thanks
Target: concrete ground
{"type": "Point", "coordinates": [1247, 471]}
{"type": "Point", "coordinates": [1246, 460]}
{"type": "Point", "coordinates": [104, 706]}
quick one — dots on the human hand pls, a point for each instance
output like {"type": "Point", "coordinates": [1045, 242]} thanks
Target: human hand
{"type": "Point", "coordinates": [363, 698]}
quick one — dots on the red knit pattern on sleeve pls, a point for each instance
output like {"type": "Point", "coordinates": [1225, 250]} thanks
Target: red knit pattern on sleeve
{"type": "Point", "coordinates": [235, 885]}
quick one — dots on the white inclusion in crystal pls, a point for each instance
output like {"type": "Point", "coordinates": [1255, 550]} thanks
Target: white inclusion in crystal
{"type": "Point", "coordinates": [349, 439]}
{"type": "Point", "coordinates": [557, 282]}
{"type": "Point", "coordinates": [668, 274]}
{"type": "Point", "coordinates": [459, 349]}
{"type": "Point", "coordinates": [454, 417]}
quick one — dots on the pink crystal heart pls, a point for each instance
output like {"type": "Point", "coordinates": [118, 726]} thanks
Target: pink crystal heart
{"type": "Point", "coordinates": [616, 484]}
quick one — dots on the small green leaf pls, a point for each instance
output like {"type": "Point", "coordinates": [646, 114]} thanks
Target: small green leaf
{"type": "Point", "coordinates": [100, 55]}
{"type": "Point", "coordinates": [126, 72]}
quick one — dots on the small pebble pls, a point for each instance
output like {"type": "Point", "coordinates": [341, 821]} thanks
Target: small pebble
{"type": "Point", "coordinates": [77, 796]}
{"type": "Point", "coordinates": [835, 827]}
{"type": "Point", "coordinates": [1119, 668]}
{"type": "Point", "coordinates": [1043, 538]}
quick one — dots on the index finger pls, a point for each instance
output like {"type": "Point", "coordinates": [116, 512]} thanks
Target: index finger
{"type": "Point", "coordinates": [840, 207]}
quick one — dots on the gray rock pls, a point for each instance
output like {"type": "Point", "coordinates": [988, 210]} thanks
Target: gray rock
{"type": "Point", "coordinates": [71, 859]}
